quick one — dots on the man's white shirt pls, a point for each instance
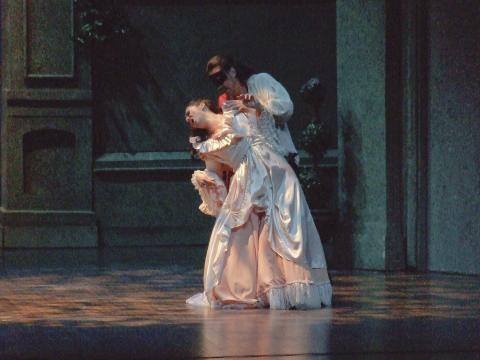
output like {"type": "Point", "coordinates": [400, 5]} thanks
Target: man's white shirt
{"type": "Point", "coordinates": [276, 104]}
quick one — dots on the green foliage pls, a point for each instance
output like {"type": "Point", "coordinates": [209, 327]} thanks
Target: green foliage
{"type": "Point", "coordinates": [314, 137]}
{"type": "Point", "coordinates": [99, 21]}
{"type": "Point", "coordinates": [309, 177]}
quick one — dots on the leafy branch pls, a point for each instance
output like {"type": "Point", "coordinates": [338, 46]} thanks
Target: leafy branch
{"type": "Point", "coordinates": [314, 137]}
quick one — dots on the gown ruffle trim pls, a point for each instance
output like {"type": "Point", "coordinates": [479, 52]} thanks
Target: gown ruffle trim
{"type": "Point", "coordinates": [300, 295]}
{"type": "Point", "coordinates": [214, 144]}
{"type": "Point", "coordinates": [295, 295]}
{"type": "Point", "coordinates": [213, 195]}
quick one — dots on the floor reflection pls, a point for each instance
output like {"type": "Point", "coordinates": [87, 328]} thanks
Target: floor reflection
{"type": "Point", "coordinates": [263, 332]}
{"type": "Point", "coordinates": [373, 313]}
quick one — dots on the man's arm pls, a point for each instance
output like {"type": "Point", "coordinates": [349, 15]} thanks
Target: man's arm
{"type": "Point", "coordinates": [271, 95]}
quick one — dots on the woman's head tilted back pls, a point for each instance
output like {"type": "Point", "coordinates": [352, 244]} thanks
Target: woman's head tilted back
{"type": "Point", "coordinates": [196, 117]}
{"type": "Point", "coordinates": [196, 113]}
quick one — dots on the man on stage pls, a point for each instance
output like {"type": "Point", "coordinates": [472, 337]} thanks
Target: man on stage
{"type": "Point", "coordinates": [261, 91]}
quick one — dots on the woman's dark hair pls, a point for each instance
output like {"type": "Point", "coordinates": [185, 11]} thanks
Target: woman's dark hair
{"type": "Point", "coordinates": [201, 133]}
{"type": "Point", "coordinates": [225, 63]}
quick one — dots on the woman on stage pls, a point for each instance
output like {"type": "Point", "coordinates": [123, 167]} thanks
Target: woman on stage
{"type": "Point", "coordinates": [264, 249]}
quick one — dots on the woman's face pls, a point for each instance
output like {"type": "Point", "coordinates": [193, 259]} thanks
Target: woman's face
{"type": "Point", "coordinates": [196, 116]}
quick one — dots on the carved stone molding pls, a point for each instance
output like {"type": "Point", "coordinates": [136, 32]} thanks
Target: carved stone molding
{"type": "Point", "coordinates": [49, 49]}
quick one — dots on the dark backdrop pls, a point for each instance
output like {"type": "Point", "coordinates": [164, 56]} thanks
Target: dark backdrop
{"type": "Point", "coordinates": [293, 42]}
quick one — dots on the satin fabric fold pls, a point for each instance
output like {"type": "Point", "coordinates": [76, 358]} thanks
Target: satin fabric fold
{"type": "Point", "coordinates": [264, 182]}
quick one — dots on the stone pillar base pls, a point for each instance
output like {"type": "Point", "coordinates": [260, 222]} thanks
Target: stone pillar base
{"type": "Point", "coordinates": [46, 229]}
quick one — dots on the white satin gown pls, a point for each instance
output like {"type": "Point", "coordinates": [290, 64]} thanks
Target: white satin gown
{"type": "Point", "coordinates": [264, 249]}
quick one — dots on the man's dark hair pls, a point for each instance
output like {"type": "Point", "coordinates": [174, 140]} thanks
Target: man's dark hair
{"type": "Point", "coordinates": [225, 63]}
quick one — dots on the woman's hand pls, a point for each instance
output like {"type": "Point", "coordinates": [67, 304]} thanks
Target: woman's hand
{"type": "Point", "coordinates": [204, 180]}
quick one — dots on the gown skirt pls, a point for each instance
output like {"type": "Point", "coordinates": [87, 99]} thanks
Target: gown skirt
{"type": "Point", "coordinates": [256, 276]}
{"type": "Point", "coordinates": [264, 250]}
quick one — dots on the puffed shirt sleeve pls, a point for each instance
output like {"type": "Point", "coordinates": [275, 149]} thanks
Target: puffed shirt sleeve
{"type": "Point", "coordinates": [271, 95]}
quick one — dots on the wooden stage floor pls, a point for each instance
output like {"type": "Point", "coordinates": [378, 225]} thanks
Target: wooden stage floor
{"type": "Point", "coordinates": [129, 309]}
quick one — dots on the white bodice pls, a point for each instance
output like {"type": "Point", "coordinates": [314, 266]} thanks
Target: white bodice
{"type": "Point", "coordinates": [241, 131]}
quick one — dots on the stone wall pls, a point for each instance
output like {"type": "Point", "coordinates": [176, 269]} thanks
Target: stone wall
{"type": "Point", "coordinates": [362, 120]}
{"type": "Point", "coordinates": [46, 127]}
{"type": "Point", "coordinates": [454, 137]}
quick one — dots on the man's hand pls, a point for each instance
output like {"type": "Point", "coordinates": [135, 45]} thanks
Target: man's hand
{"type": "Point", "coordinates": [249, 101]}
{"type": "Point", "coordinates": [246, 97]}
{"type": "Point", "coordinates": [235, 105]}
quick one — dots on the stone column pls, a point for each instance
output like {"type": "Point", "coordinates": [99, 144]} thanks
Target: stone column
{"type": "Point", "coordinates": [370, 133]}
{"type": "Point", "coordinates": [46, 129]}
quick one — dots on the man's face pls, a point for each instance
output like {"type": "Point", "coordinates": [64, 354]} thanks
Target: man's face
{"type": "Point", "coordinates": [228, 81]}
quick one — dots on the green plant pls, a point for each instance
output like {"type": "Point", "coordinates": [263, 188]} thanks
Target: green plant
{"type": "Point", "coordinates": [314, 137]}
{"type": "Point", "coordinates": [314, 140]}
{"type": "Point", "coordinates": [309, 178]}
{"type": "Point", "coordinates": [99, 21]}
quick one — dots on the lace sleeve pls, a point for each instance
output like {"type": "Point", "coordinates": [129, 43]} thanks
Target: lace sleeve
{"type": "Point", "coordinates": [212, 191]}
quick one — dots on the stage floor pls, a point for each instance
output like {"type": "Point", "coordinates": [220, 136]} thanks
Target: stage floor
{"type": "Point", "coordinates": [130, 308]}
